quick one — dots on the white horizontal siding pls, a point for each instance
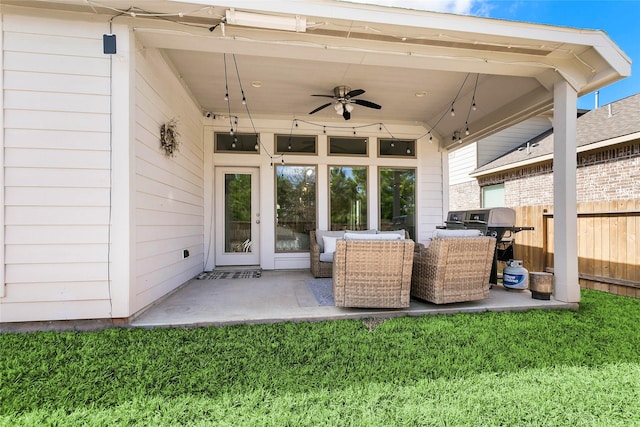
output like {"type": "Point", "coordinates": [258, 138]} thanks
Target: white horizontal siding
{"type": "Point", "coordinates": [69, 309]}
{"type": "Point", "coordinates": [56, 168]}
{"type": "Point", "coordinates": [75, 234]}
{"type": "Point", "coordinates": [505, 141]}
{"type": "Point", "coordinates": [461, 163]}
{"type": "Point", "coordinates": [58, 292]}
{"type": "Point", "coordinates": [58, 139]}
{"type": "Point", "coordinates": [169, 213]}
{"type": "Point", "coordinates": [429, 191]}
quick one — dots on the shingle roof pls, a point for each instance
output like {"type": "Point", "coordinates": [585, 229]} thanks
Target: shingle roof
{"type": "Point", "coordinates": [610, 121]}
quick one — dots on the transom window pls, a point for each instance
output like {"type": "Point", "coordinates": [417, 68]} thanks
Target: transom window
{"type": "Point", "coordinates": [237, 143]}
{"type": "Point", "coordinates": [397, 148]}
{"type": "Point", "coordinates": [351, 146]}
{"type": "Point", "coordinates": [298, 144]}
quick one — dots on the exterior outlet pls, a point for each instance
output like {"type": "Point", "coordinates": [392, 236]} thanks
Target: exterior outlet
{"type": "Point", "coordinates": [185, 253]}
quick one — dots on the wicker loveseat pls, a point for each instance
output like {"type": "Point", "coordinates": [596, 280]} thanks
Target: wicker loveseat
{"type": "Point", "coordinates": [372, 273]}
{"type": "Point", "coordinates": [453, 269]}
{"type": "Point", "coordinates": [321, 262]}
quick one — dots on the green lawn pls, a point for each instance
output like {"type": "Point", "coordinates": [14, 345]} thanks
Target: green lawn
{"type": "Point", "coordinates": [545, 368]}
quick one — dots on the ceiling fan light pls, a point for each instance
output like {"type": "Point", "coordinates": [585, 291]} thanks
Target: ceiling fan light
{"type": "Point", "coordinates": [348, 107]}
{"type": "Point", "coordinates": [338, 108]}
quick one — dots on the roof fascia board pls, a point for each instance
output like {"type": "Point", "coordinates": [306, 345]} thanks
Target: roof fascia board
{"type": "Point", "coordinates": [537, 34]}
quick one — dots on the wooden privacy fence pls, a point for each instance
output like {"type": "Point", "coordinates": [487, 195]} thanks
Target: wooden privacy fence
{"type": "Point", "coordinates": [608, 244]}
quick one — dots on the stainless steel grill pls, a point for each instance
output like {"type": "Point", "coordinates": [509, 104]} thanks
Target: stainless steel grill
{"type": "Point", "coordinates": [495, 222]}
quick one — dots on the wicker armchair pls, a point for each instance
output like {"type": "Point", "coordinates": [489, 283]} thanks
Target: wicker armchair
{"type": "Point", "coordinates": [318, 268]}
{"type": "Point", "coordinates": [453, 269]}
{"type": "Point", "coordinates": [372, 273]}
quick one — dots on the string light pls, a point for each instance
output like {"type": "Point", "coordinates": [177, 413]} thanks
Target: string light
{"type": "Point", "coordinates": [453, 112]}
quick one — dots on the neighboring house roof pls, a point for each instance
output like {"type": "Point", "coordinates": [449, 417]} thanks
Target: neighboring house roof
{"type": "Point", "coordinates": [610, 124]}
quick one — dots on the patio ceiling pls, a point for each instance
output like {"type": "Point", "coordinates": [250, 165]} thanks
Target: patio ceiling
{"type": "Point", "coordinates": [412, 63]}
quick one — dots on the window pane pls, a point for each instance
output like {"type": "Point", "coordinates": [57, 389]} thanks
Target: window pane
{"type": "Point", "coordinates": [237, 143]}
{"type": "Point", "coordinates": [397, 199]}
{"type": "Point", "coordinates": [348, 146]}
{"type": "Point", "coordinates": [348, 186]}
{"type": "Point", "coordinates": [237, 197]}
{"type": "Point", "coordinates": [296, 144]}
{"type": "Point", "coordinates": [493, 196]}
{"type": "Point", "coordinates": [295, 207]}
{"type": "Point", "coordinates": [397, 147]}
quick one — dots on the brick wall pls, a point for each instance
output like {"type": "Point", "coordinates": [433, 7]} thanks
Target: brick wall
{"type": "Point", "coordinates": [608, 174]}
{"type": "Point", "coordinates": [464, 196]}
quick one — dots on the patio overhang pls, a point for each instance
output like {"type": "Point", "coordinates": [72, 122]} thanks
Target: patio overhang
{"type": "Point", "coordinates": [418, 65]}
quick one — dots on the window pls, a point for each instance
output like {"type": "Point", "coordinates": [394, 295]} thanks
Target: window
{"type": "Point", "coordinates": [295, 207]}
{"type": "Point", "coordinates": [397, 148]}
{"type": "Point", "coordinates": [348, 199]}
{"type": "Point", "coordinates": [397, 199]}
{"type": "Point", "coordinates": [296, 144]}
{"type": "Point", "coordinates": [237, 143]}
{"type": "Point", "coordinates": [493, 196]}
{"type": "Point", "coordinates": [348, 146]}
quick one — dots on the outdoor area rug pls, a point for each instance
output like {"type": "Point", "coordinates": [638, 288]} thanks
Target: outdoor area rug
{"type": "Point", "coordinates": [230, 274]}
{"type": "Point", "coordinates": [322, 289]}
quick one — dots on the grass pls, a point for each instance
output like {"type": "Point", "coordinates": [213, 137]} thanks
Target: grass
{"type": "Point", "coordinates": [523, 368]}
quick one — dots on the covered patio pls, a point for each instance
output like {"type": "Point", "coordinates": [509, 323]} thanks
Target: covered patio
{"type": "Point", "coordinates": [103, 220]}
{"type": "Point", "coordinates": [284, 296]}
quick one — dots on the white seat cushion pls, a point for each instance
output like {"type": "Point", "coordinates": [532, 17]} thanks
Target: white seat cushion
{"type": "Point", "coordinates": [357, 236]}
{"type": "Point", "coordinates": [456, 233]}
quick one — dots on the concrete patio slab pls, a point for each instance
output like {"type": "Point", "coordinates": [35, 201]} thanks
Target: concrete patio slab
{"type": "Point", "coordinates": [281, 296]}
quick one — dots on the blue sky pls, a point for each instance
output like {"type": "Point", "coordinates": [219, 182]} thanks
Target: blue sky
{"type": "Point", "coordinates": [620, 19]}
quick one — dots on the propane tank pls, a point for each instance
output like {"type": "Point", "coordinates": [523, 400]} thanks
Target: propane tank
{"type": "Point", "coordinates": [515, 276]}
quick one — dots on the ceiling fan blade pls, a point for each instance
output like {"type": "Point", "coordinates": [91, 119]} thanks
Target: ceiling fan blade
{"type": "Point", "coordinates": [320, 108]}
{"type": "Point", "coordinates": [366, 103]}
{"type": "Point", "coordinates": [345, 113]}
{"type": "Point", "coordinates": [325, 96]}
{"type": "Point", "coordinates": [353, 93]}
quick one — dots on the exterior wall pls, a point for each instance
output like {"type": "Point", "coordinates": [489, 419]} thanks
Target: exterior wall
{"type": "Point", "coordinates": [464, 196]}
{"type": "Point", "coordinates": [495, 146]}
{"type": "Point", "coordinates": [464, 192]}
{"type": "Point", "coordinates": [429, 167]}
{"type": "Point", "coordinates": [56, 169]}
{"type": "Point", "coordinates": [169, 191]}
{"type": "Point", "coordinates": [609, 174]}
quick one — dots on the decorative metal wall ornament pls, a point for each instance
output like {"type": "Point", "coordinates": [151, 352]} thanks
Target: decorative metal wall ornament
{"type": "Point", "coordinates": [169, 137]}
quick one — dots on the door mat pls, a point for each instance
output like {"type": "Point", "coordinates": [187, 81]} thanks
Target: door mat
{"type": "Point", "coordinates": [225, 274]}
{"type": "Point", "coordinates": [322, 289]}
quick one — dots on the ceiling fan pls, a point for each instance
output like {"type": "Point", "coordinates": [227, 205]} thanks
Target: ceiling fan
{"type": "Point", "coordinates": [344, 100]}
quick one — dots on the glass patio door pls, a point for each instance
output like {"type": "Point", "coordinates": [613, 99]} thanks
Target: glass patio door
{"type": "Point", "coordinates": [237, 230]}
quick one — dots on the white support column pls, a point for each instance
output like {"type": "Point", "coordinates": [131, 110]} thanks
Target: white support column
{"type": "Point", "coordinates": [565, 225]}
{"type": "Point", "coordinates": [122, 286]}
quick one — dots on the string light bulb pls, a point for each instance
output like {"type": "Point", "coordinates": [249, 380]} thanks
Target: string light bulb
{"type": "Point", "coordinates": [473, 106]}
{"type": "Point", "coordinates": [453, 112]}
{"type": "Point", "coordinates": [226, 97]}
